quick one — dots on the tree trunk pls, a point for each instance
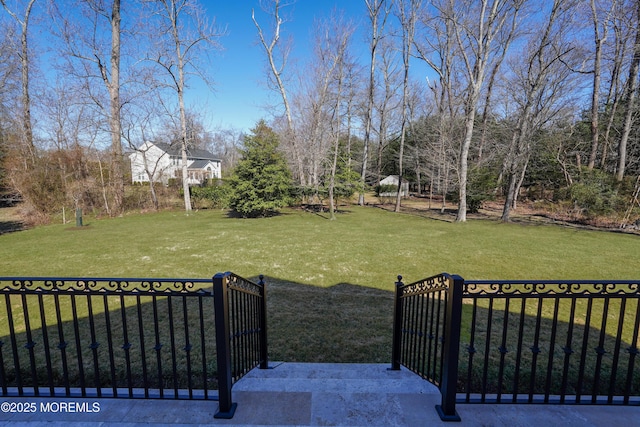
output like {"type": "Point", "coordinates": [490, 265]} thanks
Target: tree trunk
{"type": "Point", "coordinates": [26, 98]}
{"type": "Point", "coordinates": [27, 127]}
{"type": "Point", "coordinates": [523, 173]}
{"type": "Point", "coordinates": [374, 10]}
{"type": "Point", "coordinates": [408, 27]}
{"type": "Point", "coordinates": [114, 117]}
{"type": "Point", "coordinates": [183, 137]}
{"type": "Point", "coordinates": [172, 14]}
{"type": "Point", "coordinates": [463, 163]}
{"type": "Point", "coordinates": [105, 199]}
{"type": "Point", "coordinates": [594, 104]}
{"type": "Point", "coordinates": [613, 95]}
{"type": "Point", "coordinates": [332, 180]}
{"type": "Point", "coordinates": [490, 22]}
{"type": "Point", "coordinates": [269, 47]}
{"type": "Point", "coordinates": [154, 196]}
{"type": "Point", "coordinates": [630, 104]}
{"type": "Point", "coordinates": [597, 71]}
{"type": "Point", "coordinates": [508, 202]}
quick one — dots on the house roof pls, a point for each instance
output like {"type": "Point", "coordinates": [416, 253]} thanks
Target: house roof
{"type": "Point", "coordinates": [199, 164]}
{"type": "Point", "coordinates": [391, 179]}
{"type": "Point", "coordinates": [193, 153]}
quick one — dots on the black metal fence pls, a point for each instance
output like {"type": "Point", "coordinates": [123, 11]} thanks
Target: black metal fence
{"type": "Point", "coordinates": [565, 342]}
{"type": "Point", "coordinates": [241, 312]}
{"type": "Point", "coordinates": [130, 338]}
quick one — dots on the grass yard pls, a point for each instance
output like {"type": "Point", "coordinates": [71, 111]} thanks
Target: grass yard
{"type": "Point", "coordinates": [364, 247]}
{"type": "Point", "coordinates": [329, 283]}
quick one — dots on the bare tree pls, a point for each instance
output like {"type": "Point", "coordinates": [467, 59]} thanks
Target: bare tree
{"type": "Point", "coordinates": [198, 136]}
{"type": "Point", "coordinates": [226, 144]}
{"type": "Point", "coordinates": [98, 59]}
{"type": "Point", "coordinates": [600, 34]}
{"type": "Point", "coordinates": [438, 49]}
{"type": "Point", "coordinates": [617, 54]}
{"type": "Point", "coordinates": [314, 101]}
{"type": "Point", "coordinates": [378, 11]}
{"type": "Point", "coordinates": [9, 82]}
{"type": "Point", "coordinates": [353, 88]}
{"type": "Point", "coordinates": [478, 37]}
{"type": "Point", "coordinates": [632, 88]}
{"type": "Point", "coordinates": [408, 14]}
{"type": "Point", "coordinates": [111, 80]}
{"type": "Point", "coordinates": [387, 102]}
{"type": "Point", "coordinates": [139, 128]}
{"type": "Point", "coordinates": [22, 19]}
{"type": "Point", "coordinates": [186, 31]}
{"type": "Point", "coordinates": [511, 34]}
{"type": "Point", "coordinates": [276, 66]}
{"type": "Point", "coordinates": [539, 86]}
{"type": "Point", "coordinates": [339, 41]}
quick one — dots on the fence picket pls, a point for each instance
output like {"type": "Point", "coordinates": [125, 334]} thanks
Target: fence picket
{"type": "Point", "coordinates": [601, 316]}
{"type": "Point", "coordinates": [128, 316]}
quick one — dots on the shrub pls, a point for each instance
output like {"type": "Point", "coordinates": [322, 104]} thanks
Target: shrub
{"type": "Point", "coordinates": [596, 194]}
{"type": "Point", "coordinates": [216, 195]}
{"type": "Point", "coordinates": [474, 202]}
{"type": "Point", "coordinates": [347, 183]}
{"type": "Point", "coordinates": [386, 188]}
{"type": "Point", "coordinates": [261, 182]}
{"type": "Point", "coordinates": [481, 186]}
{"type": "Point", "coordinates": [595, 199]}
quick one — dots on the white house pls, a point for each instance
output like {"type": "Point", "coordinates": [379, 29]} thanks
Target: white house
{"type": "Point", "coordinates": [393, 180]}
{"type": "Point", "coordinates": [161, 162]}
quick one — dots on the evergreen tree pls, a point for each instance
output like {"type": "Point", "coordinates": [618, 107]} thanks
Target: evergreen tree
{"type": "Point", "coordinates": [261, 181]}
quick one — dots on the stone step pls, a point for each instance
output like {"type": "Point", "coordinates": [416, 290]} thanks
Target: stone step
{"type": "Point", "coordinates": [335, 394]}
{"type": "Point", "coordinates": [340, 378]}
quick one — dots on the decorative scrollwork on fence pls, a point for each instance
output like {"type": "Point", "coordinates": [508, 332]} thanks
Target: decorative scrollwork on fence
{"type": "Point", "coordinates": [431, 284]}
{"type": "Point", "coordinates": [552, 288]}
{"type": "Point", "coordinates": [14, 285]}
{"type": "Point", "coordinates": [92, 285]}
{"type": "Point", "coordinates": [173, 286]}
{"type": "Point", "coordinates": [242, 284]}
{"type": "Point", "coordinates": [72, 285]}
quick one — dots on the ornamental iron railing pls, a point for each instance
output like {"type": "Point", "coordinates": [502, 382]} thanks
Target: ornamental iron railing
{"type": "Point", "coordinates": [565, 342]}
{"type": "Point", "coordinates": [129, 337]}
{"type": "Point", "coordinates": [241, 326]}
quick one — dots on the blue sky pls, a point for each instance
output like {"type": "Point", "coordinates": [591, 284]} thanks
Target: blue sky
{"type": "Point", "coordinates": [240, 96]}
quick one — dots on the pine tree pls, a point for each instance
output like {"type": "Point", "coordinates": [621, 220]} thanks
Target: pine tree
{"type": "Point", "coordinates": [261, 181]}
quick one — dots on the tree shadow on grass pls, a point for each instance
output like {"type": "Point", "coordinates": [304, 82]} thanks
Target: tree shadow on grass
{"type": "Point", "coordinates": [144, 344]}
{"type": "Point", "coordinates": [522, 354]}
{"type": "Point", "coordinates": [11, 226]}
{"type": "Point", "coordinates": [323, 211]}
{"type": "Point", "coordinates": [510, 349]}
{"type": "Point", "coordinates": [344, 323]}
{"type": "Point", "coordinates": [158, 343]}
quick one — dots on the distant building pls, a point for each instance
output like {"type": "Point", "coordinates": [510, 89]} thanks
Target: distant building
{"type": "Point", "coordinates": [161, 162]}
{"type": "Point", "coordinates": [394, 180]}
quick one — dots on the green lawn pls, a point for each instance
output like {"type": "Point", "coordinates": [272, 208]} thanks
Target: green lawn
{"type": "Point", "coordinates": [329, 282]}
{"type": "Point", "coordinates": [364, 247]}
